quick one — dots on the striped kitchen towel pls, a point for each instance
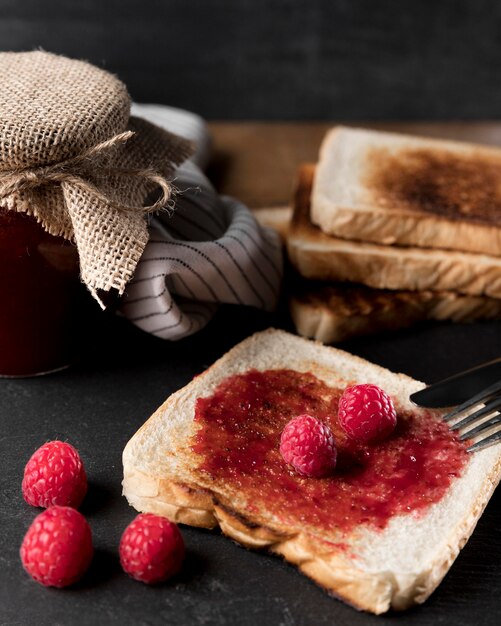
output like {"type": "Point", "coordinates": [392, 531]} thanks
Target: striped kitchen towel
{"type": "Point", "coordinates": [209, 250]}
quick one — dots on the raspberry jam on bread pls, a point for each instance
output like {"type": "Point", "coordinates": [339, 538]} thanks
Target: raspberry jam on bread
{"type": "Point", "coordinates": [238, 443]}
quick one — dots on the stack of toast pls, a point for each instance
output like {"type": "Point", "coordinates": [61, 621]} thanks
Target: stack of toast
{"type": "Point", "coordinates": [389, 229]}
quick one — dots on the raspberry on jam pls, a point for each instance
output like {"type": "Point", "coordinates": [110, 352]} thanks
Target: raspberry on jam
{"type": "Point", "coordinates": [308, 445]}
{"type": "Point", "coordinates": [366, 413]}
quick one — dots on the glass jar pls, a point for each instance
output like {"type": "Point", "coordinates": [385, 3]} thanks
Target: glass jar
{"type": "Point", "coordinates": [40, 298]}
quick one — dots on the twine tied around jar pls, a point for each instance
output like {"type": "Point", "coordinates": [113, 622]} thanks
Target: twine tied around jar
{"type": "Point", "coordinates": [75, 172]}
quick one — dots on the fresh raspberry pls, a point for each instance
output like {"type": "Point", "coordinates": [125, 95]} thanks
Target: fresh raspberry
{"type": "Point", "coordinates": [308, 445]}
{"type": "Point", "coordinates": [366, 413]}
{"type": "Point", "coordinates": [55, 475]}
{"type": "Point", "coordinates": [151, 548]}
{"type": "Point", "coordinates": [57, 549]}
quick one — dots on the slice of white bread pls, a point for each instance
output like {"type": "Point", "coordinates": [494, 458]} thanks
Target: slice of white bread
{"type": "Point", "coordinates": [389, 188]}
{"type": "Point", "coordinates": [371, 569]}
{"type": "Point", "coordinates": [335, 312]}
{"type": "Point", "coordinates": [317, 255]}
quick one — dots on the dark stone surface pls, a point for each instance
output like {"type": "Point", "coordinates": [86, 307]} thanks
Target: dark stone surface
{"type": "Point", "coordinates": [282, 59]}
{"type": "Point", "coordinates": [98, 404]}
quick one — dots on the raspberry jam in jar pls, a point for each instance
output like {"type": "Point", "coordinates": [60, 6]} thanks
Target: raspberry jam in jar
{"type": "Point", "coordinates": [40, 298]}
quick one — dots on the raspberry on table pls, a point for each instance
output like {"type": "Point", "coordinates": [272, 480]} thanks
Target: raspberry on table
{"type": "Point", "coordinates": [55, 475]}
{"type": "Point", "coordinates": [57, 549]}
{"type": "Point", "coordinates": [366, 413]}
{"type": "Point", "coordinates": [308, 445]}
{"type": "Point", "coordinates": [151, 549]}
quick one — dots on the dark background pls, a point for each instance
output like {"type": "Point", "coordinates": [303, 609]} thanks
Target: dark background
{"type": "Point", "coordinates": [282, 59]}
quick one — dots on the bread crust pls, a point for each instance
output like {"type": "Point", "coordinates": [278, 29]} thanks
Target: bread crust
{"type": "Point", "coordinates": [408, 191]}
{"type": "Point", "coordinates": [330, 570]}
{"type": "Point", "coordinates": [335, 313]}
{"type": "Point", "coordinates": [335, 566]}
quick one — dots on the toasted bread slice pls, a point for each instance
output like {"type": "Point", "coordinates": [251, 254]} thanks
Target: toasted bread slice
{"type": "Point", "coordinates": [317, 255]}
{"type": "Point", "coordinates": [373, 568]}
{"type": "Point", "coordinates": [389, 188]}
{"type": "Point", "coordinates": [336, 312]}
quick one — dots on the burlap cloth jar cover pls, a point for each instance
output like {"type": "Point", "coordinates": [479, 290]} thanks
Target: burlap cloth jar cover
{"type": "Point", "coordinates": [73, 158]}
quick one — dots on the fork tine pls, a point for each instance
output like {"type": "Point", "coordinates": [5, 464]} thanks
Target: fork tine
{"type": "Point", "coordinates": [484, 443]}
{"type": "Point", "coordinates": [481, 427]}
{"type": "Point", "coordinates": [490, 407]}
{"type": "Point", "coordinates": [477, 399]}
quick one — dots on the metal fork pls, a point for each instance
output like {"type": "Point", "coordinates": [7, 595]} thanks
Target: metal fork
{"type": "Point", "coordinates": [484, 424]}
